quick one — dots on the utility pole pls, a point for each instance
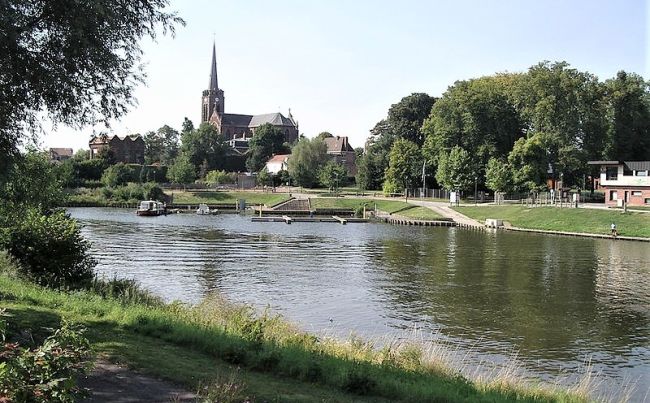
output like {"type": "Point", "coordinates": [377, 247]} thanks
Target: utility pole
{"type": "Point", "coordinates": [424, 180]}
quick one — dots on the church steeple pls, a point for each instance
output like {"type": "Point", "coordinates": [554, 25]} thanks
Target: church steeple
{"type": "Point", "coordinates": [213, 98]}
{"type": "Point", "coordinates": [214, 83]}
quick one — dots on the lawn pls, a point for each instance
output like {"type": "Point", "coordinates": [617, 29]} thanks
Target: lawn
{"type": "Point", "coordinates": [389, 206]}
{"type": "Point", "coordinates": [219, 197]}
{"type": "Point", "coordinates": [420, 213]}
{"type": "Point", "coordinates": [564, 219]}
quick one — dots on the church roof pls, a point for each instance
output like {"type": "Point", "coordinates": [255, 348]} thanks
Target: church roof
{"type": "Point", "coordinates": [234, 119]}
{"type": "Point", "coordinates": [276, 119]}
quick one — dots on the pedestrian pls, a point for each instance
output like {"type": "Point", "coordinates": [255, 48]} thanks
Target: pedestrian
{"type": "Point", "coordinates": [614, 233]}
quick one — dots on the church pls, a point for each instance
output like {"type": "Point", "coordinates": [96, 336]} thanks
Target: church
{"type": "Point", "coordinates": [237, 129]}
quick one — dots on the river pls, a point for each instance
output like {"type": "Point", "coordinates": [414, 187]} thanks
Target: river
{"type": "Point", "coordinates": [555, 302]}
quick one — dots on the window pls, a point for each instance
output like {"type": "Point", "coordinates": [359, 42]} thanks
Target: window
{"type": "Point", "coordinates": [613, 195]}
{"type": "Point", "coordinates": [637, 193]}
{"type": "Point", "coordinates": [641, 173]}
{"type": "Point", "coordinates": [647, 200]}
{"type": "Point", "coordinates": [611, 173]}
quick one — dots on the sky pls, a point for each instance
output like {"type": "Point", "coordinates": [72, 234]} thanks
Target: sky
{"type": "Point", "coordinates": [339, 65]}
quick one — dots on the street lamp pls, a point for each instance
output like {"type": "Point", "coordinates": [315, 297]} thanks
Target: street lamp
{"type": "Point", "coordinates": [475, 188]}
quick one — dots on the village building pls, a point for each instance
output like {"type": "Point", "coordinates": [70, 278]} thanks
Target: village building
{"type": "Point", "coordinates": [60, 154]}
{"type": "Point", "coordinates": [624, 182]}
{"type": "Point", "coordinates": [277, 163]}
{"type": "Point", "coordinates": [127, 149]}
{"type": "Point", "coordinates": [340, 150]}
{"type": "Point", "coordinates": [239, 127]}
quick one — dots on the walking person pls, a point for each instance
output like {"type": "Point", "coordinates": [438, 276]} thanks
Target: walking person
{"type": "Point", "coordinates": [614, 232]}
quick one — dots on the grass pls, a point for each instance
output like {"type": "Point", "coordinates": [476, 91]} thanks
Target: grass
{"type": "Point", "coordinates": [225, 197]}
{"type": "Point", "coordinates": [420, 213]}
{"type": "Point", "coordinates": [389, 206]}
{"type": "Point", "coordinates": [564, 219]}
{"type": "Point", "coordinates": [236, 350]}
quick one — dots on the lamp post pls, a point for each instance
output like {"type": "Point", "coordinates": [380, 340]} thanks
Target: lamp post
{"type": "Point", "coordinates": [424, 179]}
{"type": "Point", "coordinates": [475, 188]}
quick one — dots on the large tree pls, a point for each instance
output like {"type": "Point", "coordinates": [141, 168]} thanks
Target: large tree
{"type": "Point", "coordinates": [77, 61]}
{"type": "Point", "coordinates": [204, 147]}
{"type": "Point", "coordinates": [628, 97]}
{"type": "Point", "coordinates": [306, 159]}
{"type": "Point", "coordinates": [161, 146]}
{"type": "Point", "coordinates": [405, 164]}
{"type": "Point", "coordinates": [267, 141]}
{"type": "Point", "coordinates": [456, 169]}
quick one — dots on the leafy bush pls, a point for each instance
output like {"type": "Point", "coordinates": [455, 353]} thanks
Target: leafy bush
{"type": "Point", "coordinates": [46, 373]}
{"type": "Point", "coordinates": [119, 174]}
{"type": "Point", "coordinates": [49, 249]}
{"type": "Point", "coordinates": [90, 169]}
{"type": "Point", "coordinates": [135, 192]}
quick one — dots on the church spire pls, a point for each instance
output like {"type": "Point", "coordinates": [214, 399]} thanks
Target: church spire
{"type": "Point", "coordinates": [214, 85]}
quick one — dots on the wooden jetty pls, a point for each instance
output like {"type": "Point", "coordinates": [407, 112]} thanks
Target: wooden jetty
{"type": "Point", "coordinates": [288, 219]}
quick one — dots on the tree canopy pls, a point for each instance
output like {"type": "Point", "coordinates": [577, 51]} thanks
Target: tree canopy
{"type": "Point", "coordinates": [77, 61]}
{"type": "Point", "coordinates": [267, 141]}
{"type": "Point", "coordinates": [306, 159]}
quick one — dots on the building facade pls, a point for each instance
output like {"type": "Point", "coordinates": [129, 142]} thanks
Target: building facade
{"type": "Point", "coordinates": [624, 182]}
{"type": "Point", "coordinates": [127, 149]}
{"type": "Point", "coordinates": [60, 154]}
{"type": "Point", "coordinates": [340, 150]}
{"type": "Point", "coordinates": [237, 126]}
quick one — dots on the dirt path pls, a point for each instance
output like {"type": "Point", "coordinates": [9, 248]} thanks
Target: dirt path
{"type": "Point", "coordinates": [111, 383]}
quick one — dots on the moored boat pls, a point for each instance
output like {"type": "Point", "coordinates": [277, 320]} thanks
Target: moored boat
{"type": "Point", "coordinates": [151, 208]}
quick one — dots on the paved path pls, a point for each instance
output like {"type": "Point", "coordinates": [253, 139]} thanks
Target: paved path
{"type": "Point", "coordinates": [444, 210]}
{"type": "Point", "coordinates": [111, 383]}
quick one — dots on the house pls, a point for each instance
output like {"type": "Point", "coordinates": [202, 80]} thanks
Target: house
{"type": "Point", "coordinates": [624, 182]}
{"type": "Point", "coordinates": [60, 154]}
{"type": "Point", "coordinates": [127, 149]}
{"type": "Point", "coordinates": [277, 163]}
{"type": "Point", "coordinates": [340, 150]}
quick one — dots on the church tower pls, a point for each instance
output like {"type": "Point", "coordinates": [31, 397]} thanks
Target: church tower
{"type": "Point", "coordinates": [212, 99]}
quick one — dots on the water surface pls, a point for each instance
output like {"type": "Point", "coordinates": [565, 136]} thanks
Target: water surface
{"type": "Point", "coordinates": [557, 302]}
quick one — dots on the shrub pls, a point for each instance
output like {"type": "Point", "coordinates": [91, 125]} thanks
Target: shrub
{"type": "Point", "coordinates": [46, 373]}
{"type": "Point", "coordinates": [119, 174]}
{"type": "Point", "coordinates": [49, 249]}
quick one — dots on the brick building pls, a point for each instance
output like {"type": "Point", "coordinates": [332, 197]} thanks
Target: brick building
{"type": "Point", "coordinates": [127, 149]}
{"type": "Point", "coordinates": [340, 150]}
{"type": "Point", "coordinates": [237, 126]}
{"type": "Point", "coordinates": [624, 182]}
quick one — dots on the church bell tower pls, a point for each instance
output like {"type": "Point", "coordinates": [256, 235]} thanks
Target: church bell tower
{"type": "Point", "coordinates": [212, 99]}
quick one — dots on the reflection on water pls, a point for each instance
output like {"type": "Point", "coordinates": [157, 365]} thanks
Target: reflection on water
{"type": "Point", "coordinates": [557, 301]}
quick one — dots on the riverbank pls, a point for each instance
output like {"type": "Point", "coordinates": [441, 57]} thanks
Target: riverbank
{"type": "Point", "coordinates": [218, 344]}
{"type": "Point", "coordinates": [569, 220]}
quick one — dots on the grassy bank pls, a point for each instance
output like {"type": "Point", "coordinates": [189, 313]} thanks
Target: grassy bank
{"type": "Point", "coordinates": [564, 219]}
{"type": "Point", "coordinates": [420, 213]}
{"type": "Point", "coordinates": [216, 343]}
{"type": "Point", "coordinates": [225, 197]}
{"type": "Point", "coordinates": [389, 206]}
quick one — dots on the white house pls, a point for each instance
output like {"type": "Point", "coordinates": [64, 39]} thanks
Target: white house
{"type": "Point", "coordinates": [277, 163]}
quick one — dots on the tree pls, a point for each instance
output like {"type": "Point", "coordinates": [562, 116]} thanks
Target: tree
{"type": "Point", "coordinates": [182, 170]}
{"type": "Point", "coordinates": [498, 176]}
{"type": "Point", "coordinates": [218, 177]}
{"type": "Point", "coordinates": [324, 135]}
{"type": "Point", "coordinates": [456, 169]}
{"type": "Point", "coordinates": [332, 175]}
{"type": "Point", "coordinates": [405, 117]}
{"type": "Point", "coordinates": [530, 162]}
{"type": "Point", "coordinates": [161, 146]}
{"type": "Point", "coordinates": [187, 126]}
{"type": "Point", "coordinates": [405, 164]}
{"type": "Point", "coordinates": [267, 141]}
{"type": "Point", "coordinates": [118, 175]}
{"type": "Point", "coordinates": [370, 172]}
{"type": "Point", "coordinates": [628, 98]}
{"type": "Point", "coordinates": [76, 60]}
{"type": "Point", "coordinates": [306, 159]}
{"type": "Point", "coordinates": [204, 144]}
{"type": "Point", "coordinates": [477, 115]}
{"type": "Point", "coordinates": [33, 181]}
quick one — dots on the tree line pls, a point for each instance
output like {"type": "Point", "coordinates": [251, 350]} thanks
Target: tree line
{"type": "Point", "coordinates": [510, 132]}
